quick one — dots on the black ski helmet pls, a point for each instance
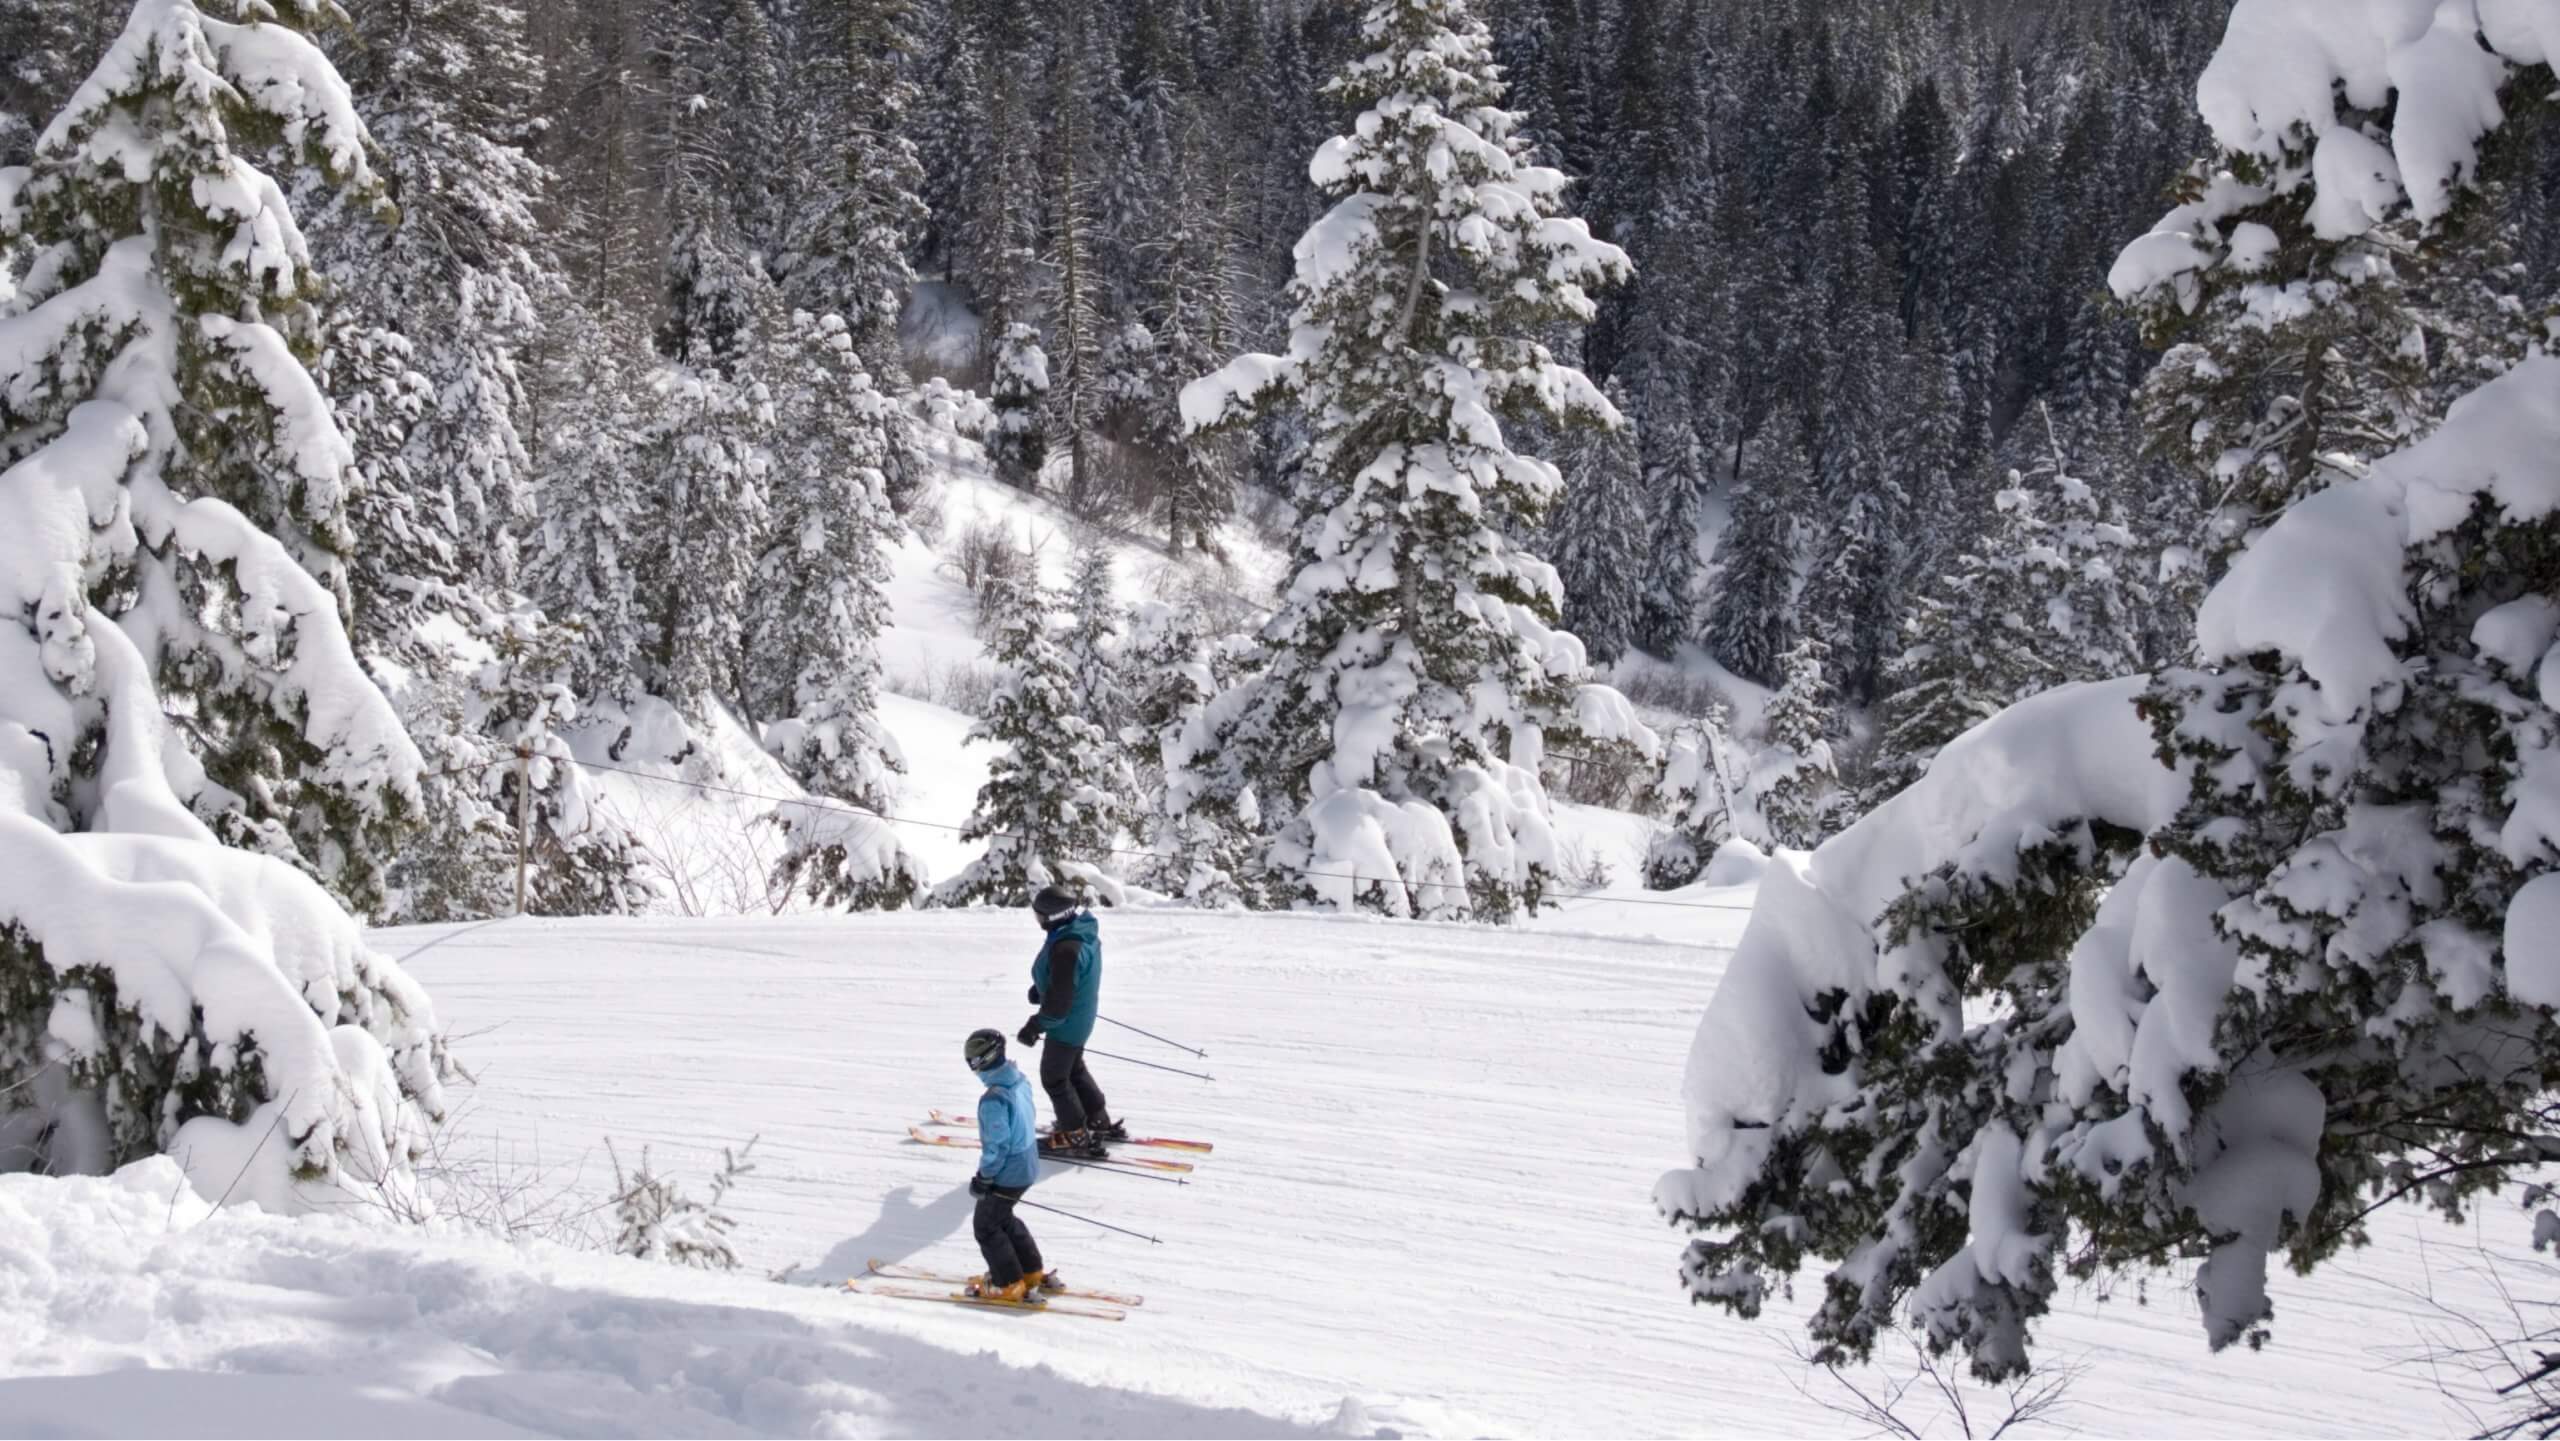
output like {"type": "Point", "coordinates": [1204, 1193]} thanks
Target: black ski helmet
{"type": "Point", "coordinates": [1053, 904]}
{"type": "Point", "coordinates": [984, 1049]}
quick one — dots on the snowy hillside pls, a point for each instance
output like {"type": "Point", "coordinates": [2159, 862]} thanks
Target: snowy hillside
{"type": "Point", "coordinates": [1427, 1214]}
{"type": "Point", "coordinates": [696, 796]}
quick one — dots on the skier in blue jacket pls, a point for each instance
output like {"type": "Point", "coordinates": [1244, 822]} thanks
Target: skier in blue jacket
{"type": "Point", "coordinates": [1008, 1162]}
{"type": "Point", "coordinates": [1066, 984]}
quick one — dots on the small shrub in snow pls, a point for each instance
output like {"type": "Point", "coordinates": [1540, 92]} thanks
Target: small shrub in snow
{"type": "Point", "coordinates": [657, 1221]}
{"type": "Point", "coordinates": [1661, 689]}
{"type": "Point", "coordinates": [959, 685]}
{"type": "Point", "coordinates": [989, 559]}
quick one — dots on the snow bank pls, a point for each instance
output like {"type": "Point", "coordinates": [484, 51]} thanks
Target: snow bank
{"type": "Point", "coordinates": [128, 1307]}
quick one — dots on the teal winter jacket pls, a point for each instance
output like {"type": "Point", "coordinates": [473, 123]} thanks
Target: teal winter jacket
{"type": "Point", "coordinates": [1068, 976]}
{"type": "Point", "coordinates": [1008, 1128]}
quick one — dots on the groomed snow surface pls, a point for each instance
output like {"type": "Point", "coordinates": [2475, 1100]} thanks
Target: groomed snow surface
{"type": "Point", "coordinates": [1427, 1214]}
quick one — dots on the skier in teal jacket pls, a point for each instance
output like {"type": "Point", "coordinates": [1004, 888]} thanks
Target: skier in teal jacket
{"type": "Point", "coordinates": [1066, 984]}
{"type": "Point", "coordinates": [1008, 1162]}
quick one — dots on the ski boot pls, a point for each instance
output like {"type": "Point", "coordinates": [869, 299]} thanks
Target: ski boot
{"type": "Point", "coordinates": [1019, 1293]}
{"type": "Point", "coordinates": [1073, 1146]}
{"type": "Point", "coordinates": [1108, 1131]}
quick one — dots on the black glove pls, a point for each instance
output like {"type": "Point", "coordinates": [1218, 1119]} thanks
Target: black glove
{"type": "Point", "coordinates": [1029, 1035]}
{"type": "Point", "coordinates": [979, 1185]}
{"type": "Point", "coordinates": [1035, 995]}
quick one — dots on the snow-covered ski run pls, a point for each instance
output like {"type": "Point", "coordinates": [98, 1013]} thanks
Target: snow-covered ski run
{"type": "Point", "coordinates": [1418, 1208]}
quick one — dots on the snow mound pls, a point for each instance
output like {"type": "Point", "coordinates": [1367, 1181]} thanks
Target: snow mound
{"type": "Point", "coordinates": [127, 1307]}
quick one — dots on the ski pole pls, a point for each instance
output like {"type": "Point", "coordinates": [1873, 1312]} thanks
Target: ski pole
{"type": "Point", "coordinates": [1152, 1036]}
{"type": "Point", "coordinates": [1134, 1061]}
{"type": "Point", "coordinates": [1117, 1170]}
{"type": "Point", "coordinates": [1088, 1220]}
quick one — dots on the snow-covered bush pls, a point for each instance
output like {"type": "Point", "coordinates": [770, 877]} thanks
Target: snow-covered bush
{"type": "Point", "coordinates": [993, 563]}
{"type": "Point", "coordinates": [170, 670]}
{"type": "Point", "coordinates": [940, 405]}
{"type": "Point", "coordinates": [841, 858]}
{"type": "Point", "coordinates": [1395, 730]}
{"type": "Point", "coordinates": [1696, 795]}
{"type": "Point", "coordinates": [2209, 962]}
{"type": "Point", "coordinates": [656, 1221]}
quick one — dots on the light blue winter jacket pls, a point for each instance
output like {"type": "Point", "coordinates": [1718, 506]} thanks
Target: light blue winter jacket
{"type": "Point", "coordinates": [1008, 1128]}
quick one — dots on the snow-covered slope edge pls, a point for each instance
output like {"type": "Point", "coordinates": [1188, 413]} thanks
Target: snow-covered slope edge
{"type": "Point", "coordinates": [254, 1325]}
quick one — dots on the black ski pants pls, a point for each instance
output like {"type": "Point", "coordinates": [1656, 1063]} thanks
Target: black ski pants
{"type": "Point", "coordinates": [1003, 1239]}
{"type": "Point", "coordinates": [1074, 1100]}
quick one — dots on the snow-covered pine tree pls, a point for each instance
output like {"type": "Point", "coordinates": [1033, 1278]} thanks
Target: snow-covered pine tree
{"type": "Point", "coordinates": [2055, 591]}
{"type": "Point", "coordinates": [215, 290]}
{"type": "Point", "coordinates": [159, 991]}
{"type": "Point", "coordinates": [1674, 473]}
{"type": "Point", "coordinates": [2305, 339]}
{"type": "Point", "coordinates": [1791, 796]}
{"type": "Point", "coordinates": [596, 502]}
{"type": "Point", "coordinates": [1018, 444]}
{"type": "Point", "coordinates": [427, 338]}
{"type": "Point", "coordinates": [1090, 646]}
{"type": "Point", "coordinates": [813, 634]}
{"type": "Point", "coordinates": [1750, 620]}
{"type": "Point", "coordinates": [860, 212]}
{"type": "Point", "coordinates": [1075, 301]}
{"type": "Point", "coordinates": [2213, 961]}
{"type": "Point", "coordinates": [1395, 730]}
{"type": "Point", "coordinates": [1197, 325]}
{"type": "Point", "coordinates": [704, 449]}
{"type": "Point", "coordinates": [734, 72]}
{"type": "Point", "coordinates": [1052, 800]}
{"type": "Point", "coordinates": [1204, 853]}
{"type": "Point", "coordinates": [1599, 537]}
{"type": "Point", "coordinates": [707, 445]}
{"type": "Point", "coordinates": [859, 220]}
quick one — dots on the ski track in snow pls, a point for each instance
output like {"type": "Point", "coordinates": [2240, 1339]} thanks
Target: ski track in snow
{"type": "Point", "coordinates": [1435, 1146]}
